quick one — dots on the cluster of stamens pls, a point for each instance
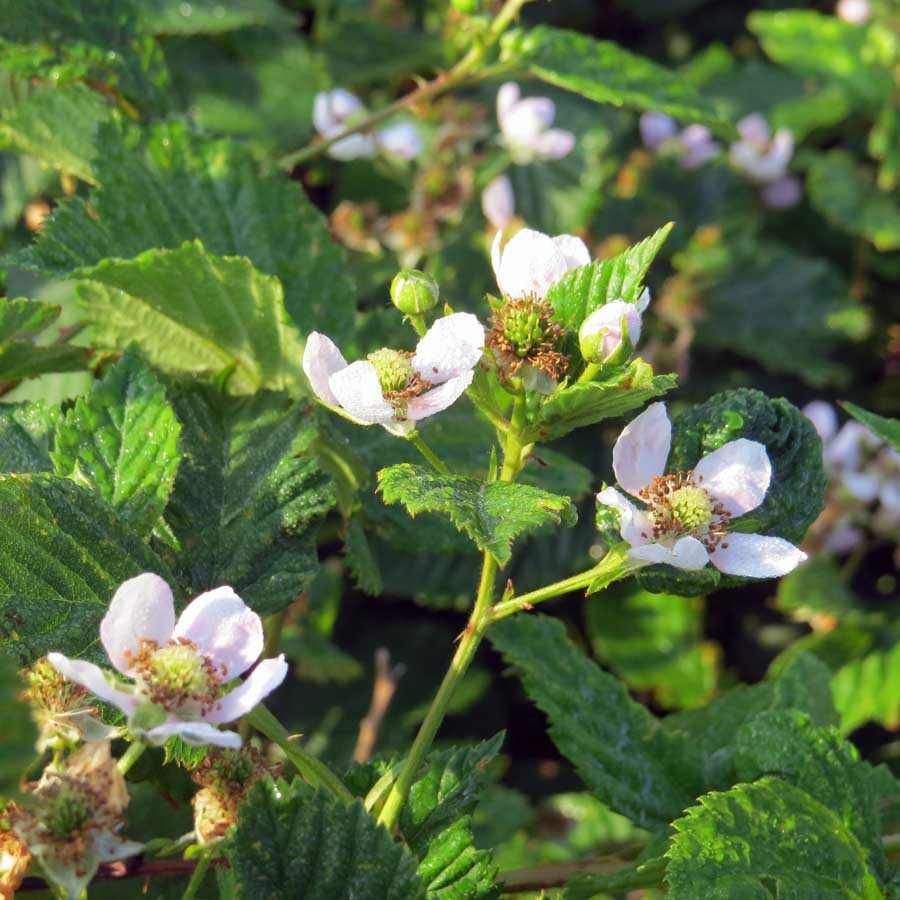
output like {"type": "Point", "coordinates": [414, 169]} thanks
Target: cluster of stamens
{"type": "Point", "coordinates": [679, 505]}
{"type": "Point", "coordinates": [176, 675]}
{"type": "Point", "coordinates": [399, 381]}
{"type": "Point", "coordinates": [48, 692]}
{"type": "Point", "coordinates": [522, 331]}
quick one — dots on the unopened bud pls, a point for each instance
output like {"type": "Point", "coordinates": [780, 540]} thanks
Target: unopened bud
{"type": "Point", "coordinates": [413, 292]}
{"type": "Point", "coordinates": [608, 335]}
{"type": "Point", "coordinates": [467, 7]}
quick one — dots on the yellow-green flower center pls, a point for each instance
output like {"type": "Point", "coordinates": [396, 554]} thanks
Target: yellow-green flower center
{"type": "Point", "coordinates": [178, 668]}
{"type": "Point", "coordinates": [692, 506]}
{"type": "Point", "coordinates": [176, 676]}
{"type": "Point", "coordinates": [65, 810]}
{"type": "Point", "coordinates": [394, 369]}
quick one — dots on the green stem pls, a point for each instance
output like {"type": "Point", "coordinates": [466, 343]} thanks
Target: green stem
{"type": "Point", "coordinates": [418, 323]}
{"type": "Point", "coordinates": [419, 443]}
{"type": "Point", "coordinates": [131, 756]}
{"type": "Point", "coordinates": [197, 876]}
{"type": "Point", "coordinates": [464, 70]}
{"type": "Point", "coordinates": [589, 373]}
{"type": "Point", "coordinates": [312, 769]}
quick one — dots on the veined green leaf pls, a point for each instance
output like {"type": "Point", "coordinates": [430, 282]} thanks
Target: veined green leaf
{"type": "Point", "coordinates": [492, 514]}
{"type": "Point", "coordinates": [887, 429]}
{"type": "Point", "coordinates": [247, 495]}
{"type": "Point", "coordinates": [122, 441]}
{"type": "Point", "coordinates": [24, 318]}
{"type": "Point", "coordinates": [196, 313]}
{"type": "Point", "coordinates": [292, 841]}
{"type": "Point", "coordinates": [64, 552]}
{"type": "Point", "coordinates": [26, 431]}
{"type": "Point", "coordinates": [764, 837]}
{"type": "Point", "coordinates": [603, 71]}
{"type": "Point", "coordinates": [19, 734]}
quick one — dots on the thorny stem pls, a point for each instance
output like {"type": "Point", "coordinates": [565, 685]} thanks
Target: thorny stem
{"type": "Point", "coordinates": [418, 442]}
{"type": "Point", "coordinates": [131, 756]}
{"type": "Point", "coordinates": [197, 876]}
{"type": "Point", "coordinates": [462, 72]}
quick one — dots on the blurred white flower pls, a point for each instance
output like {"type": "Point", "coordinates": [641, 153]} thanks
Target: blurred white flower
{"type": "Point", "coordinates": [694, 145]}
{"type": "Point", "coordinates": [532, 262]}
{"type": "Point", "coordinates": [857, 12]}
{"type": "Point", "coordinates": [179, 669]}
{"type": "Point", "coordinates": [525, 126]}
{"type": "Point", "coordinates": [396, 389]}
{"type": "Point", "coordinates": [604, 331]}
{"type": "Point", "coordinates": [402, 139]}
{"type": "Point", "coordinates": [783, 193]}
{"type": "Point", "coordinates": [685, 517]}
{"type": "Point", "coordinates": [761, 156]}
{"type": "Point", "coordinates": [656, 128]}
{"type": "Point", "coordinates": [498, 203]}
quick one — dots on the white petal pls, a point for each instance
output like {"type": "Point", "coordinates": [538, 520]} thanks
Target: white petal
{"type": "Point", "coordinates": [783, 193]}
{"type": "Point", "coordinates": [697, 146]}
{"type": "Point", "coordinates": [533, 379]}
{"type": "Point", "coordinates": [864, 486]}
{"type": "Point", "coordinates": [845, 451]}
{"type": "Point", "coordinates": [507, 97]}
{"type": "Point", "coordinates": [573, 249]}
{"type": "Point", "coordinates": [402, 139]}
{"type": "Point", "coordinates": [452, 346]}
{"type": "Point", "coordinates": [321, 360]}
{"type": "Point", "coordinates": [109, 847]}
{"type": "Point", "coordinates": [354, 146]}
{"type": "Point", "coordinates": [737, 475]}
{"type": "Point", "coordinates": [223, 628]}
{"type": "Point", "coordinates": [823, 417]}
{"type": "Point", "coordinates": [609, 318]}
{"type": "Point", "coordinates": [330, 108]}
{"type": "Point", "coordinates": [93, 679]}
{"type": "Point", "coordinates": [358, 391]}
{"type": "Point", "coordinates": [754, 129]}
{"type": "Point", "coordinates": [642, 449]}
{"type": "Point", "coordinates": [756, 556]}
{"type": "Point", "coordinates": [72, 875]}
{"type": "Point", "coordinates": [439, 398]}
{"type": "Point", "coordinates": [530, 263]}
{"type": "Point", "coordinates": [889, 495]}
{"type": "Point", "coordinates": [643, 301]}
{"type": "Point", "coordinates": [267, 676]}
{"type": "Point", "coordinates": [399, 427]}
{"type": "Point", "coordinates": [656, 128]}
{"type": "Point", "coordinates": [856, 12]}
{"type": "Point", "coordinates": [686, 553]}
{"type": "Point", "coordinates": [635, 525]}
{"type": "Point", "coordinates": [497, 255]}
{"type": "Point", "coordinates": [193, 732]}
{"type": "Point", "coordinates": [555, 143]}
{"type": "Point", "coordinates": [498, 203]}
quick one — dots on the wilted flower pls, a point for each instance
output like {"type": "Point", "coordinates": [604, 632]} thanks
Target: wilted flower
{"type": "Point", "coordinates": [179, 669]}
{"type": "Point", "coordinates": [608, 329]}
{"type": "Point", "coordinates": [394, 388]}
{"type": "Point", "coordinates": [336, 110]}
{"type": "Point", "coordinates": [856, 12]}
{"type": "Point", "coordinates": [686, 516]}
{"type": "Point", "coordinates": [693, 145]}
{"type": "Point", "coordinates": [532, 262]}
{"type": "Point", "coordinates": [525, 125]}
{"type": "Point", "coordinates": [14, 862]}
{"type": "Point", "coordinates": [71, 821]}
{"type": "Point", "coordinates": [498, 203]}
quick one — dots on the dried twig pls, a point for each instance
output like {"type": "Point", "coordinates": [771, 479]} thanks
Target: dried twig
{"type": "Point", "coordinates": [383, 689]}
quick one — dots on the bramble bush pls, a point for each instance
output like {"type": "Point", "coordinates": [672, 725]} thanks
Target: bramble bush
{"type": "Point", "coordinates": [447, 449]}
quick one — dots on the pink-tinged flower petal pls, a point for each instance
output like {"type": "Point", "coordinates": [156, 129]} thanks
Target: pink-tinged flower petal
{"type": "Point", "coordinates": [609, 318]}
{"type": "Point", "coordinates": [656, 128]}
{"type": "Point", "coordinates": [573, 249]}
{"type": "Point", "coordinates": [783, 193]}
{"type": "Point", "coordinates": [267, 676]}
{"type": "Point", "coordinates": [507, 97]}
{"type": "Point", "coordinates": [642, 449]}
{"type": "Point", "coordinates": [332, 108]}
{"type": "Point", "coordinates": [452, 346]}
{"type": "Point", "coordinates": [856, 12]}
{"type": "Point", "coordinates": [321, 360]}
{"type": "Point", "coordinates": [525, 122]}
{"type": "Point", "coordinates": [889, 495]}
{"type": "Point", "coordinates": [497, 255]}
{"type": "Point", "coordinates": [756, 556]}
{"type": "Point", "coordinates": [697, 146]}
{"type": "Point", "coordinates": [643, 301]}
{"type": "Point", "coordinates": [402, 139]}
{"type": "Point", "coordinates": [223, 628]}
{"type": "Point", "coordinates": [843, 539]}
{"type": "Point", "coordinates": [686, 553]}
{"type": "Point", "coordinates": [358, 391]}
{"type": "Point", "coordinates": [754, 129]}
{"type": "Point", "coordinates": [498, 203]}
{"type": "Point", "coordinates": [529, 264]}
{"type": "Point", "coordinates": [142, 609]}
{"type": "Point", "coordinates": [737, 475]}
{"type": "Point", "coordinates": [439, 398]}
{"type": "Point", "coordinates": [555, 143]}
{"type": "Point", "coordinates": [824, 418]}
{"type": "Point", "coordinates": [193, 732]}
{"type": "Point", "coordinates": [846, 449]}
{"type": "Point", "coordinates": [92, 678]}
{"type": "Point", "coordinates": [635, 525]}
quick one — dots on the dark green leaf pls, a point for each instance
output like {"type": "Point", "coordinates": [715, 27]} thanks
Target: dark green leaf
{"type": "Point", "coordinates": [122, 442]}
{"type": "Point", "coordinates": [360, 559]}
{"type": "Point", "coordinates": [605, 72]}
{"type": "Point", "coordinates": [19, 359]}
{"type": "Point", "coordinates": [492, 514]}
{"type": "Point", "coordinates": [25, 318]}
{"type": "Point", "coordinates": [26, 430]}
{"type": "Point", "coordinates": [19, 733]}
{"type": "Point", "coordinates": [764, 838]}
{"type": "Point", "coordinates": [247, 494]}
{"type": "Point", "coordinates": [196, 313]}
{"type": "Point", "coordinates": [210, 16]}
{"type": "Point", "coordinates": [64, 552]}
{"type": "Point", "coordinates": [293, 842]}
{"type": "Point", "coordinates": [887, 429]}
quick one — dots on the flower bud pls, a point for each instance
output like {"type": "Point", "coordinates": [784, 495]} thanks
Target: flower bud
{"type": "Point", "coordinates": [467, 7]}
{"type": "Point", "coordinates": [609, 334]}
{"type": "Point", "coordinates": [413, 292]}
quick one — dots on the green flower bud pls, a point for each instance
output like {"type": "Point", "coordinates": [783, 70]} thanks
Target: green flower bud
{"type": "Point", "coordinates": [413, 292]}
{"type": "Point", "coordinates": [467, 7]}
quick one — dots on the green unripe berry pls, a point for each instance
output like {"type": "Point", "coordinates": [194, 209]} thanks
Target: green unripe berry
{"type": "Point", "coordinates": [413, 292]}
{"type": "Point", "coordinates": [692, 506]}
{"type": "Point", "coordinates": [394, 369]}
{"type": "Point", "coordinates": [66, 811]}
{"type": "Point", "coordinates": [467, 7]}
{"type": "Point", "coordinates": [524, 328]}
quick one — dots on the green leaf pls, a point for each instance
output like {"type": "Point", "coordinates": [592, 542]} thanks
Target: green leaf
{"type": "Point", "coordinates": [291, 841]}
{"type": "Point", "coordinates": [817, 760]}
{"type": "Point", "coordinates": [194, 313]}
{"type": "Point", "coordinates": [847, 198]}
{"type": "Point", "coordinates": [180, 187]}
{"type": "Point", "coordinates": [361, 560]}
{"type": "Point", "coordinates": [887, 429]}
{"type": "Point", "coordinates": [210, 16]}
{"type": "Point", "coordinates": [868, 690]}
{"type": "Point", "coordinates": [247, 496]}
{"type": "Point", "coordinates": [55, 125]}
{"type": "Point", "coordinates": [603, 71]}
{"type": "Point", "coordinates": [492, 514]}
{"type": "Point", "coordinates": [19, 733]}
{"type": "Point", "coordinates": [122, 442]}
{"type": "Point", "coordinates": [64, 553]}
{"type": "Point", "coordinates": [436, 823]}
{"type": "Point", "coordinates": [590, 402]}
{"type": "Point", "coordinates": [616, 745]}
{"type": "Point", "coordinates": [764, 839]}
{"type": "Point", "coordinates": [23, 318]}
{"type": "Point", "coordinates": [575, 296]}
{"type": "Point", "coordinates": [26, 431]}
